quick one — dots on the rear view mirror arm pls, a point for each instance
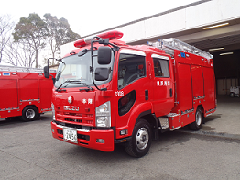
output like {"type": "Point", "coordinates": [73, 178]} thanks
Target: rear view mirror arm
{"type": "Point", "coordinates": [91, 68]}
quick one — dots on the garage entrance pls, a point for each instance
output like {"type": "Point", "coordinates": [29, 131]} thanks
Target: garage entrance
{"type": "Point", "coordinates": [226, 58]}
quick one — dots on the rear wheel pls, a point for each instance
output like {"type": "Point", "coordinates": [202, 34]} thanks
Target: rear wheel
{"type": "Point", "coordinates": [232, 94]}
{"type": "Point", "coordinates": [197, 124]}
{"type": "Point", "coordinates": [30, 113]}
{"type": "Point", "coordinates": [141, 140]}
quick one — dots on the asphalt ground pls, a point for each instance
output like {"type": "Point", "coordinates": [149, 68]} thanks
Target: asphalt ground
{"type": "Point", "coordinates": [224, 122]}
{"type": "Point", "coordinates": [28, 151]}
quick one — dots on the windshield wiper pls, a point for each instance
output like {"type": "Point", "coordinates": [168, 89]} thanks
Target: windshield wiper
{"type": "Point", "coordinates": [74, 81]}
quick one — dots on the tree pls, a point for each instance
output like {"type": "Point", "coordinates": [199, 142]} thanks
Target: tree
{"type": "Point", "coordinates": [32, 33]}
{"type": "Point", "coordinates": [6, 27]}
{"type": "Point", "coordinates": [19, 54]}
{"type": "Point", "coordinates": [59, 32]}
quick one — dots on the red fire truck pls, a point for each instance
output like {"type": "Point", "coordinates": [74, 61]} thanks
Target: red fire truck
{"type": "Point", "coordinates": [108, 92]}
{"type": "Point", "coordinates": [24, 92]}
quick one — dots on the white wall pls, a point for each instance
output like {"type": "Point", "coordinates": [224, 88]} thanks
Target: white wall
{"type": "Point", "coordinates": [199, 15]}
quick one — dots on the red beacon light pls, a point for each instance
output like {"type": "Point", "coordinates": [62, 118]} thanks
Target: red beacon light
{"type": "Point", "coordinates": [114, 34]}
{"type": "Point", "coordinates": [80, 43]}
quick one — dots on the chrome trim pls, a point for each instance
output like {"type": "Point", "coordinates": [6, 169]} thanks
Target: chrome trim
{"type": "Point", "coordinates": [7, 109]}
{"type": "Point", "coordinates": [28, 100]}
{"type": "Point", "coordinates": [199, 97]}
{"type": "Point", "coordinates": [15, 69]}
{"type": "Point", "coordinates": [187, 111]}
{"type": "Point", "coordinates": [173, 115]}
{"type": "Point", "coordinates": [208, 114]}
{"type": "Point", "coordinates": [164, 122]}
{"type": "Point", "coordinates": [82, 130]}
{"type": "Point", "coordinates": [175, 128]}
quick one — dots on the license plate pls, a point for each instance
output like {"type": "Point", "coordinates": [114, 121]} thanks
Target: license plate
{"type": "Point", "coordinates": [70, 135]}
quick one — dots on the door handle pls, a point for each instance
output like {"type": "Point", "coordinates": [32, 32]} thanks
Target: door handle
{"type": "Point", "coordinates": [170, 92]}
{"type": "Point", "coordinates": [149, 69]}
{"type": "Point", "coordinates": [146, 94]}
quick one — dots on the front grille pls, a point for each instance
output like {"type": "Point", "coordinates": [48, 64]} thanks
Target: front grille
{"type": "Point", "coordinates": [80, 118]}
{"type": "Point", "coordinates": [74, 126]}
{"type": "Point", "coordinates": [73, 120]}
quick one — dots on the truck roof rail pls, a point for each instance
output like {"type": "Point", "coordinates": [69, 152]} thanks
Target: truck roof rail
{"type": "Point", "coordinates": [169, 45]}
{"type": "Point", "coordinates": [23, 69]}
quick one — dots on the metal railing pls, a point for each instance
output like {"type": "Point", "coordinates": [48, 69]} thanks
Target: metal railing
{"type": "Point", "coordinates": [169, 45]}
{"type": "Point", "coordinates": [22, 69]}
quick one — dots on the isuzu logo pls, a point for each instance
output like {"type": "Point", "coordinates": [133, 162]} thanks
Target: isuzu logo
{"type": "Point", "coordinates": [70, 99]}
{"type": "Point", "coordinates": [71, 108]}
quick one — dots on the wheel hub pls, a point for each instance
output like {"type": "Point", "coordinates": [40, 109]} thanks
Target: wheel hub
{"type": "Point", "coordinates": [30, 113]}
{"type": "Point", "coordinates": [198, 118]}
{"type": "Point", "coordinates": [142, 138]}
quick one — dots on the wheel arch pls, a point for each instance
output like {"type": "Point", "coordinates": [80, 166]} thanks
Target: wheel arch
{"type": "Point", "coordinates": [142, 111]}
{"type": "Point", "coordinates": [202, 109]}
{"type": "Point", "coordinates": [29, 106]}
{"type": "Point", "coordinates": [36, 112]}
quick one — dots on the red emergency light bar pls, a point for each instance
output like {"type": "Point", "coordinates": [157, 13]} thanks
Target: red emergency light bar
{"type": "Point", "coordinates": [111, 35]}
{"type": "Point", "coordinates": [107, 35]}
{"type": "Point", "coordinates": [80, 43]}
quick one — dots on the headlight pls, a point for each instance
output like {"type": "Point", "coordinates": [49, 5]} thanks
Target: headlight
{"type": "Point", "coordinates": [53, 112]}
{"type": "Point", "coordinates": [103, 115]}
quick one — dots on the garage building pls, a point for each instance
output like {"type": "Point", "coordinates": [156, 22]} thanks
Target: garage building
{"type": "Point", "coordinates": [210, 25]}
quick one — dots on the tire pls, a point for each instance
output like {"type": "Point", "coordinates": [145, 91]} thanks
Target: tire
{"type": "Point", "coordinates": [141, 140]}
{"type": "Point", "coordinates": [30, 113]}
{"type": "Point", "coordinates": [197, 124]}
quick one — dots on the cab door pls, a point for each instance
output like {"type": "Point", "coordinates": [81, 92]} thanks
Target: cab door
{"type": "Point", "coordinates": [163, 100]}
{"type": "Point", "coordinates": [132, 85]}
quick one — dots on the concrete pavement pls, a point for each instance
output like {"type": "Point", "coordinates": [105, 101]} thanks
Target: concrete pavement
{"type": "Point", "coordinates": [225, 121]}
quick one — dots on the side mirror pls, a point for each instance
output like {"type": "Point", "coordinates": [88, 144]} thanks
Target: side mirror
{"type": "Point", "coordinates": [104, 55]}
{"type": "Point", "coordinates": [46, 72]}
{"type": "Point", "coordinates": [101, 74]}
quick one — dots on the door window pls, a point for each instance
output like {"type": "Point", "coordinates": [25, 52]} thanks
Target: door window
{"type": "Point", "coordinates": [161, 65]}
{"type": "Point", "coordinates": [132, 66]}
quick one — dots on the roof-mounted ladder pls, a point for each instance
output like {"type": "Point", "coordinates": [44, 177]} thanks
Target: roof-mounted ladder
{"type": "Point", "coordinates": [23, 69]}
{"type": "Point", "coordinates": [169, 45]}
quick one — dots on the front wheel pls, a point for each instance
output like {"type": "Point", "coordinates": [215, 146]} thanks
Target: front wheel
{"type": "Point", "coordinates": [141, 140]}
{"type": "Point", "coordinates": [197, 124]}
{"type": "Point", "coordinates": [30, 113]}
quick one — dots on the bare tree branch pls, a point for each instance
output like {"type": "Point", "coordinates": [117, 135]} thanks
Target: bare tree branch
{"type": "Point", "coordinates": [19, 54]}
{"type": "Point", "coordinates": [6, 28]}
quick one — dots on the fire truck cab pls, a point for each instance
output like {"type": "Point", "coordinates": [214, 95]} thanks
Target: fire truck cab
{"type": "Point", "coordinates": [108, 92]}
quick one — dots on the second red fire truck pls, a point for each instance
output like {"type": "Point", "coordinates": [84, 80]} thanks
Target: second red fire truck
{"type": "Point", "coordinates": [24, 92]}
{"type": "Point", "coordinates": [108, 92]}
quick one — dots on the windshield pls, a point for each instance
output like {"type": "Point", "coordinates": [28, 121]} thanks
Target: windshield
{"type": "Point", "coordinates": [74, 71]}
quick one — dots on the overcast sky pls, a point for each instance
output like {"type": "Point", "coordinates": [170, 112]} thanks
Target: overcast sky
{"type": "Point", "coordinates": [89, 16]}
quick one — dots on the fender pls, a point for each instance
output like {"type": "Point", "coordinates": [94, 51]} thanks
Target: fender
{"type": "Point", "coordinates": [138, 111]}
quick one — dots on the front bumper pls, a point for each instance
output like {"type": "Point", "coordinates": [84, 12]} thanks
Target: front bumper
{"type": "Point", "coordinates": [88, 139]}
